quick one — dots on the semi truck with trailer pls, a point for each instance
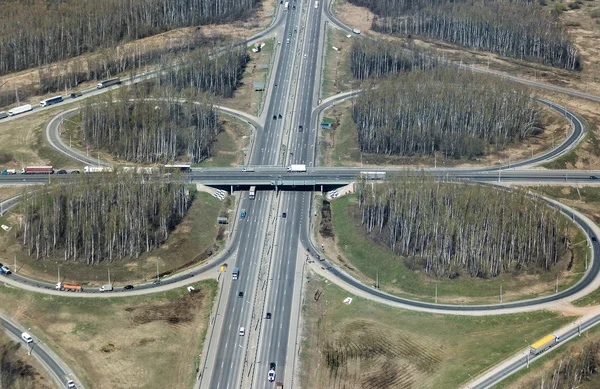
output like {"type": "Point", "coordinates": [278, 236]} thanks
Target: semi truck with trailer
{"type": "Point", "coordinates": [296, 168]}
{"type": "Point", "coordinates": [235, 274]}
{"type": "Point", "coordinates": [19, 110]}
{"type": "Point", "coordinates": [544, 344]}
{"type": "Point", "coordinates": [252, 193]}
{"type": "Point", "coordinates": [107, 83]}
{"type": "Point", "coordinates": [68, 287]}
{"type": "Point", "coordinates": [37, 170]}
{"type": "Point", "coordinates": [53, 100]}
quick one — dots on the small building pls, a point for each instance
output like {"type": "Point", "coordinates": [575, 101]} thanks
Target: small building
{"type": "Point", "coordinates": [259, 86]}
{"type": "Point", "coordinates": [222, 220]}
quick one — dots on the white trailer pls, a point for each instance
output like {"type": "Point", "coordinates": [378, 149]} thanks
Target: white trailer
{"type": "Point", "coordinates": [21, 109]}
{"type": "Point", "coordinates": [296, 168]}
{"type": "Point", "coordinates": [97, 169]}
{"type": "Point", "coordinates": [285, 6]}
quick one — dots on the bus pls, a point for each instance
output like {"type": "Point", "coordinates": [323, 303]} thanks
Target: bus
{"type": "Point", "coordinates": [252, 193]}
{"type": "Point", "coordinates": [285, 6]}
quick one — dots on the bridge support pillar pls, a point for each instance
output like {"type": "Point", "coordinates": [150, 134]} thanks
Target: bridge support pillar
{"type": "Point", "coordinates": [231, 190]}
{"type": "Point", "coordinates": [321, 190]}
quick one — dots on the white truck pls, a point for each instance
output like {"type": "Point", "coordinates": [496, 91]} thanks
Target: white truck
{"type": "Point", "coordinates": [543, 344]}
{"type": "Point", "coordinates": [9, 171]}
{"type": "Point", "coordinates": [296, 168]}
{"type": "Point", "coordinates": [21, 109]}
{"type": "Point", "coordinates": [97, 169]}
{"type": "Point", "coordinates": [356, 30]}
{"type": "Point", "coordinates": [235, 274]}
{"type": "Point", "coordinates": [106, 288]}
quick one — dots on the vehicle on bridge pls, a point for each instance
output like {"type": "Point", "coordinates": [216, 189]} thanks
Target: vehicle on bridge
{"type": "Point", "coordinates": [543, 344]}
{"type": "Point", "coordinates": [107, 83]}
{"type": "Point", "coordinates": [37, 170]}
{"type": "Point", "coordinates": [53, 100]}
{"type": "Point", "coordinates": [296, 168]}
{"type": "Point", "coordinates": [252, 193]}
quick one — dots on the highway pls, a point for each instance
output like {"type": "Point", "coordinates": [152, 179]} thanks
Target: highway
{"type": "Point", "coordinates": [55, 366]}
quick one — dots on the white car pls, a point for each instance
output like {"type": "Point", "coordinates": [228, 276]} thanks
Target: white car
{"type": "Point", "coordinates": [271, 375]}
{"type": "Point", "coordinates": [26, 337]}
{"type": "Point", "coordinates": [242, 331]}
{"type": "Point", "coordinates": [70, 384]}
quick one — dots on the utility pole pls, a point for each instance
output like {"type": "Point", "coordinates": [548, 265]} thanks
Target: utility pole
{"type": "Point", "coordinates": [377, 282]}
{"type": "Point", "coordinates": [556, 282]}
{"type": "Point", "coordinates": [501, 281]}
{"type": "Point", "coordinates": [436, 292]}
{"type": "Point", "coordinates": [157, 277]}
{"type": "Point", "coordinates": [109, 275]}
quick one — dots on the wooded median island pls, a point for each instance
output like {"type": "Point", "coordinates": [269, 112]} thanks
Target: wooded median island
{"type": "Point", "coordinates": [443, 110]}
{"type": "Point", "coordinates": [100, 217]}
{"type": "Point", "coordinates": [447, 229]}
{"type": "Point", "coordinates": [518, 29]}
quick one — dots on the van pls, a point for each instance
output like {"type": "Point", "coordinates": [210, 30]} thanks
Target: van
{"type": "Point", "coordinates": [26, 337]}
{"type": "Point", "coordinates": [106, 288]}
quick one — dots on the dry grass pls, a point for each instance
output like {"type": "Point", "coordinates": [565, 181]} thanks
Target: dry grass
{"type": "Point", "coordinates": [140, 341]}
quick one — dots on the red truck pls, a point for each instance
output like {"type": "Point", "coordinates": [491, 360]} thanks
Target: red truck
{"type": "Point", "coordinates": [37, 170]}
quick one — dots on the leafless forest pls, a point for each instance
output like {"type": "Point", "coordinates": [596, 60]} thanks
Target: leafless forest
{"type": "Point", "coordinates": [520, 29]}
{"type": "Point", "coordinates": [101, 217]}
{"type": "Point", "coordinates": [376, 59]}
{"type": "Point", "coordinates": [574, 371]}
{"type": "Point", "coordinates": [448, 229]}
{"type": "Point", "coordinates": [14, 372]}
{"type": "Point", "coordinates": [469, 114]}
{"type": "Point", "coordinates": [150, 128]}
{"type": "Point", "coordinates": [38, 32]}
{"type": "Point", "coordinates": [218, 74]}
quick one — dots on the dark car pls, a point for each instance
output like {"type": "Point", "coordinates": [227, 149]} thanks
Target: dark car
{"type": "Point", "coordinates": [62, 171]}
{"type": "Point", "coordinates": [274, 117]}
{"type": "Point", "coordinates": [284, 215]}
{"type": "Point", "coordinates": [279, 116]}
{"type": "Point", "coordinates": [241, 294]}
{"type": "Point", "coordinates": [594, 239]}
{"type": "Point", "coordinates": [272, 366]}
{"type": "Point", "coordinates": [128, 287]}
{"type": "Point", "coordinates": [74, 95]}
{"type": "Point", "coordinates": [300, 128]}
{"type": "Point", "coordinates": [156, 282]}
{"type": "Point", "coordinates": [294, 7]}
{"type": "Point", "coordinates": [75, 172]}
{"type": "Point", "coordinates": [275, 84]}
{"type": "Point", "coordinates": [593, 177]}
{"type": "Point", "coordinates": [268, 315]}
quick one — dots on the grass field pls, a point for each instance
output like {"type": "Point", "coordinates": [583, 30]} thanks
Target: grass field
{"type": "Point", "coordinates": [337, 76]}
{"type": "Point", "coordinates": [232, 144]}
{"type": "Point", "coordinates": [365, 259]}
{"type": "Point", "coordinates": [151, 341]}
{"type": "Point", "coordinates": [366, 345]}
{"type": "Point", "coordinates": [18, 370]}
{"type": "Point", "coordinates": [194, 241]}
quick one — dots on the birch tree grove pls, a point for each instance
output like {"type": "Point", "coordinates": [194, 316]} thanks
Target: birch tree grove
{"type": "Point", "coordinates": [518, 29]}
{"type": "Point", "coordinates": [378, 59]}
{"type": "Point", "coordinates": [218, 74]}
{"type": "Point", "coordinates": [99, 217]}
{"type": "Point", "coordinates": [38, 32]}
{"type": "Point", "coordinates": [447, 229]}
{"type": "Point", "coordinates": [457, 113]}
{"type": "Point", "coordinates": [160, 129]}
